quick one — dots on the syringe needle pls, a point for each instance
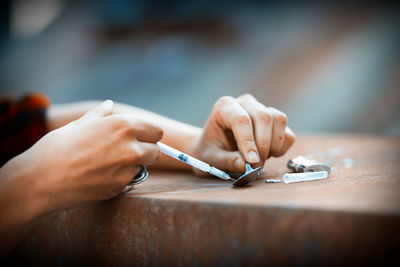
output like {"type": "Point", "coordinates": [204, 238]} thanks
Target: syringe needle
{"type": "Point", "coordinates": [220, 174]}
{"type": "Point", "coordinates": [198, 164]}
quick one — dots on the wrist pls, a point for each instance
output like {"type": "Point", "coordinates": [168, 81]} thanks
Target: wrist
{"type": "Point", "coordinates": [19, 206]}
{"type": "Point", "coordinates": [21, 198]}
{"type": "Point", "coordinates": [193, 141]}
{"type": "Point", "coordinates": [195, 148]}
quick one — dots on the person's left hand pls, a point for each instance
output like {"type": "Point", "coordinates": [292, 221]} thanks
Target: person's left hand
{"type": "Point", "coordinates": [241, 130]}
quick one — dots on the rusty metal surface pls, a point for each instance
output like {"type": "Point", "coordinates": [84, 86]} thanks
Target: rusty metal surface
{"type": "Point", "coordinates": [177, 219]}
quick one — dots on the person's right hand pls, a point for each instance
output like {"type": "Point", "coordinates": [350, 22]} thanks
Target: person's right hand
{"type": "Point", "coordinates": [92, 158]}
{"type": "Point", "coordinates": [242, 130]}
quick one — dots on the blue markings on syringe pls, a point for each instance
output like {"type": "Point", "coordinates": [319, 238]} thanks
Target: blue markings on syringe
{"type": "Point", "coordinates": [183, 157]}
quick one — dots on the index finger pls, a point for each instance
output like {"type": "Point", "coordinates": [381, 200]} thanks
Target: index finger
{"type": "Point", "coordinates": [143, 130]}
{"type": "Point", "coordinates": [289, 140]}
{"type": "Point", "coordinates": [234, 117]}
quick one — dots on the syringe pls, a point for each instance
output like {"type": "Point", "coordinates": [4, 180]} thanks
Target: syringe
{"type": "Point", "coordinates": [174, 153]}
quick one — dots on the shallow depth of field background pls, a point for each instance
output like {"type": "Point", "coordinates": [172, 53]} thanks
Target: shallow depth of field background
{"type": "Point", "coordinates": [330, 67]}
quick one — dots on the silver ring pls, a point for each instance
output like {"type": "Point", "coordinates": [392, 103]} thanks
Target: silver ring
{"type": "Point", "coordinates": [140, 177]}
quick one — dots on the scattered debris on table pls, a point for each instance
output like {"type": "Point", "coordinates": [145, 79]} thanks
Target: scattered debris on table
{"type": "Point", "coordinates": [348, 162]}
{"type": "Point", "coordinates": [273, 181]}
{"type": "Point", "coordinates": [305, 169]}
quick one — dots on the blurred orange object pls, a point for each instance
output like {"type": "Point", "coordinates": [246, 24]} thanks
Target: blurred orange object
{"type": "Point", "coordinates": [22, 123]}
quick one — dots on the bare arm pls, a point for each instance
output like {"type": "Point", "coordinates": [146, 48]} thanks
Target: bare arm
{"type": "Point", "coordinates": [74, 165]}
{"type": "Point", "coordinates": [238, 130]}
{"type": "Point", "coordinates": [176, 134]}
{"type": "Point", "coordinates": [19, 204]}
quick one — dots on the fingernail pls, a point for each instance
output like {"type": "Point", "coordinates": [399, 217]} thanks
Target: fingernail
{"type": "Point", "coordinates": [238, 164]}
{"type": "Point", "coordinates": [107, 104]}
{"type": "Point", "coordinates": [253, 157]}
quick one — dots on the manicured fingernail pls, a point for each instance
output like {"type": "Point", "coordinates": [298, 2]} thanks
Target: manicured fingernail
{"type": "Point", "coordinates": [253, 157]}
{"type": "Point", "coordinates": [238, 164]}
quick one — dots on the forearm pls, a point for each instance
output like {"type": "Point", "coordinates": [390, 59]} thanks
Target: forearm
{"type": "Point", "coordinates": [18, 203]}
{"type": "Point", "coordinates": [176, 134]}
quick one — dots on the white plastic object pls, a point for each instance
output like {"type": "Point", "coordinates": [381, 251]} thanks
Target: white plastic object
{"type": "Point", "coordinates": [174, 153]}
{"type": "Point", "coordinates": [304, 177]}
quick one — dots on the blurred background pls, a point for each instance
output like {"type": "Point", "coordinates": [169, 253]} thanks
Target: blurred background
{"type": "Point", "coordinates": [330, 67]}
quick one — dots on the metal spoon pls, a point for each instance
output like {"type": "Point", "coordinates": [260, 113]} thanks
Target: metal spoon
{"type": "Point", "coordinates": [249, 176]}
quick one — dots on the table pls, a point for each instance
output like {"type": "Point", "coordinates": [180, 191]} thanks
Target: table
{"type": "Point", "coordinates": [178, 219]}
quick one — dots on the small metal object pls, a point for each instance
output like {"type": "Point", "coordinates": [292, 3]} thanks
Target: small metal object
{"type": "Point", "coordinates": [303, 164]}
{"type": "Point", "coordinates": [140, 177]}
{"type": "Point", "coordinates": [273, 181]}
{"type": "Point", "coordinates": [249, 176]}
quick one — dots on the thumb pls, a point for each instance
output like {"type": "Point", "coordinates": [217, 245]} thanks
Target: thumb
{"type": "Point", "coordinates": [231, 161]}
{"type": "Point", "coordinates": [102, 110]}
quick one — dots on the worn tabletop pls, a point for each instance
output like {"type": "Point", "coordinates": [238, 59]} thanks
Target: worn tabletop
{"type": "Point", "coordinates": [176, 218]}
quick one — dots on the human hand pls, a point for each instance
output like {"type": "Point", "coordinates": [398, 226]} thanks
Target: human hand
{"type": "Point", "coordinates": [241, 130]}
{"type": "Point", "coordinates": [92, 158]}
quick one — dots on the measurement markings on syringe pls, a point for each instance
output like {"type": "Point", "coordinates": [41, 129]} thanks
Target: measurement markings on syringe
{"type": "Point", "coordinates": [183, 157]}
